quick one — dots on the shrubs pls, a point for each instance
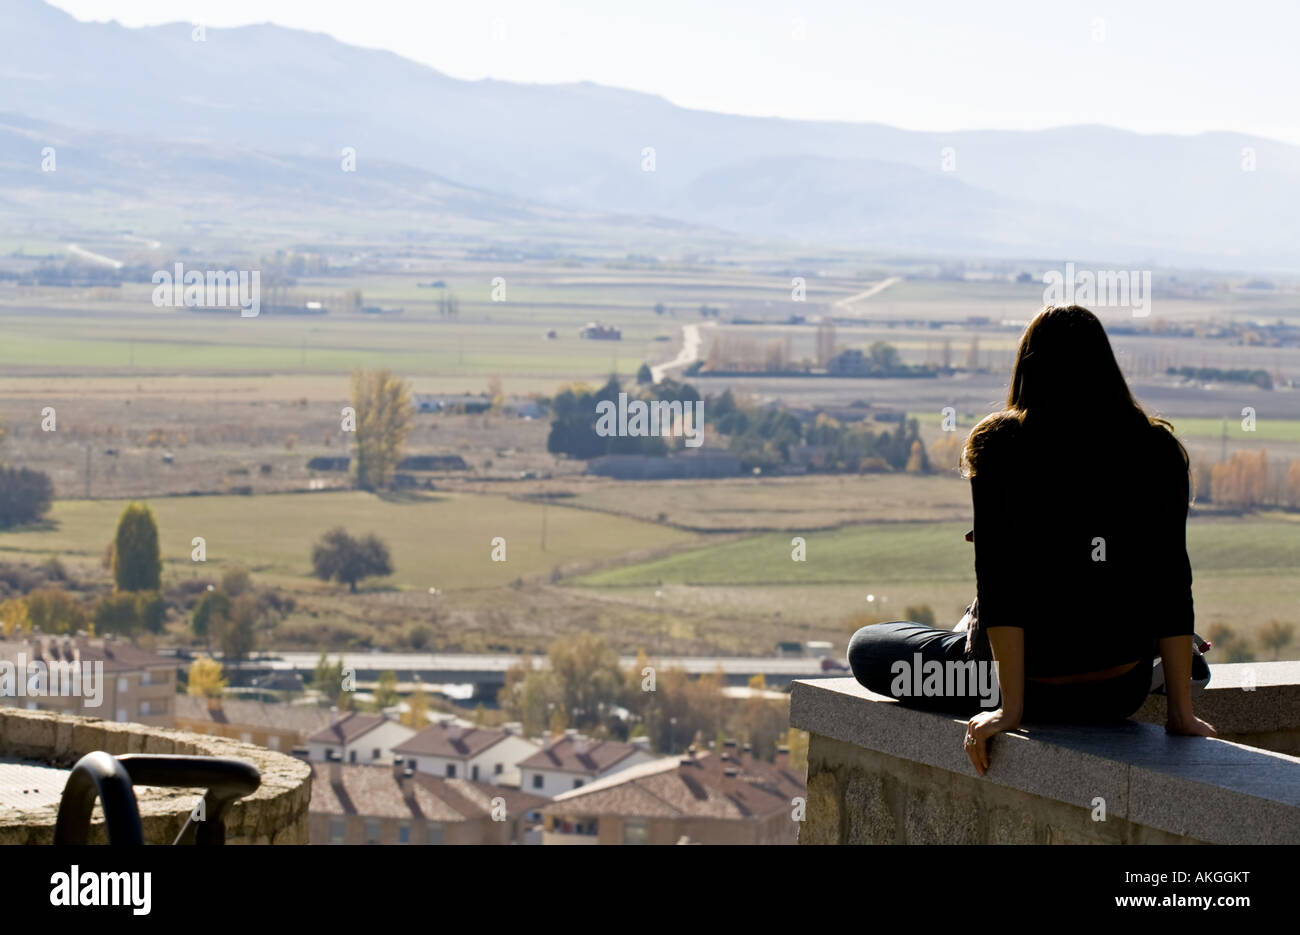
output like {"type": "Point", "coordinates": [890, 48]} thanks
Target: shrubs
{"type": "Point", "coordinates": [53, 610]}
{"type": "Point", "coordinates": [128, 613]}
{"type": "Point", "coordinates": [25, 496]}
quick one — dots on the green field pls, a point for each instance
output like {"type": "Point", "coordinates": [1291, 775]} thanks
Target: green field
{"type": "Point", "coordinates": [442, 541]}
{"type": "Point", "coordinates": [1243, 570]}
{"type": "Point", "coordinates": [1266, 430]}
{"type": "Point", "coordinates": [186, 342]}
{"type": "Point", "coordinates": [908, 551]}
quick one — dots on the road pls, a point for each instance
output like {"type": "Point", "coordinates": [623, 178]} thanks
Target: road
{"type": "Point", "coordinates": [97, 258]}
{"type": "Point", "coordinates": [841, 307]}
{"type": "Point", "coordinates": [490, 668]}
{"type": "Point", "coordinates": [692, 341]}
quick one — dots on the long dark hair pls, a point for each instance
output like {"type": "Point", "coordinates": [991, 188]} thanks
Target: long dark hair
{"type": "Point", "coordinates": [1066, 376]}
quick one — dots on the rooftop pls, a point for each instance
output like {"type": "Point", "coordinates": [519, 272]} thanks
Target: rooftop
{"type": "Point", "coordinates": [382, 792]}
{"type": "Point", "coordinates": [305, 719]}
{"type": "Point", "coordinates": [572, 754]}
{"type": "Point", "coordinates": [674, 787]}
{"type": "Point", "coordinates": [348, 728]}
{"type": "Point", "coordinates": [116, 655]}
{"type": "Point", "coordinates": [451, 741]}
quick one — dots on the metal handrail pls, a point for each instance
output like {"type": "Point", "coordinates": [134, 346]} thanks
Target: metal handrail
{"type": "Point", "coordinates": [112, 779]}
{"type": "Point", "coordinates": [98, 775]}
{"type": "Point", "coordinates": [225, 779]}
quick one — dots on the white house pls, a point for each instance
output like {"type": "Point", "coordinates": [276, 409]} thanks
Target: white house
{"type": "Point", "coordinates": [573, 761]}
{"type": "Point", "coordinates": [454, 751]}
{"type": "Point", "coordinates": [358, 738]}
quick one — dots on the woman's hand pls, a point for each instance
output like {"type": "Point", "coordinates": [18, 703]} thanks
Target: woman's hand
{"type": "Point", "coordinates": [1189, 726]}
{"type": "Point", "coordinates": [1176, 654]}
{"type": "Point", "coordinates": [980, 730]}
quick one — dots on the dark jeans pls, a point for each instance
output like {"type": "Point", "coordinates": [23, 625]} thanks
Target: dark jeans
{"type": "Point", "coordinates": [883, 657]}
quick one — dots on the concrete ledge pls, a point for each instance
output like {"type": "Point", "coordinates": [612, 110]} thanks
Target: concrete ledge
{"type": "Point", "coordinates": [1255, 703]}
{"type": "Point", "coordinates": [275, 814]}
{"type": "Point", "coordinates": [1178, 788]}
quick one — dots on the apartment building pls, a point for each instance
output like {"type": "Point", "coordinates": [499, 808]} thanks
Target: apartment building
{"type": "Point", "coordinates": [275, 726]}
{"type": "Point", "coordinates": [117, 681]}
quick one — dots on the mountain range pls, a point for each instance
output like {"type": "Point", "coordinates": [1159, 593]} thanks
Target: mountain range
{"type": "Point", "coordinates": [267, 112]}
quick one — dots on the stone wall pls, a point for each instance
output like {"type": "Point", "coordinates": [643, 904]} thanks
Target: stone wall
{"type": "Point", "coordinates": [858, 796]}
{"type": "Point", "coordinates": [880, 773]}
{"type": "Point", "coordinates": [275, 814]}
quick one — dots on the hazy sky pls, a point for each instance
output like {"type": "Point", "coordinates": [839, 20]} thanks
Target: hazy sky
{"type": "Point", "coordinates": [940, 65]}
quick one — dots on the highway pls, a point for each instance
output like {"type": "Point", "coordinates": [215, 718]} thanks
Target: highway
{"type": "Point", "coordinates": [490, 668]}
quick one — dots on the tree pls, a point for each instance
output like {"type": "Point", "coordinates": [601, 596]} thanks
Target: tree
{"type": "Point", "coordinates": [53, 610]}
{"type": "Point", "coordinates": [496, 393]}
{"type": "Point", "coordinates": [945, 453]}
{"type": "Point", "coordinates": [916, 460]}
{"type": "Point", "coordinates": [643, 375]}
{"type": "Point", "coordinates": [527, 696]}
{"type": "Point", "coordinates": [126, 613]}
{"type": "Point", "coordinates": [416, 714]}
{"type": "Point", "coordinates": [923, 614]}
{"type": "Point", "coordinates": [327, 678]}
{"type": "Point", "coordinates": [25, 496]}
{"type": "Point", "coordinates": [825, 342]}
{"type": "Point", "coordinates": [1275, 635]}
{"type": "Point", "coordinates": [884, 357]}
{"type": "Point", "coordinates": [383, 419]}
{"type": "Point", "coordinates": [1293, 483]}
{"type": "Point", "coordinates": [796, 742]}
{"type": "Point", "coordinates": [137, 562]}
{"type": "Point", "coordinates": [1226, 640]}
{"type": "Point", "coordinates": [340, 557]}
{"type": "Point", "coordinates": [587, 677]}
{"type": "Point", "coordinates": [386, 692]}
{"type": "Point", "coordinates": [205, 680]}
{"type": "Point", "coordinates": [236, 581]}
{"type": "Point", "coordinates": [212, 605]}
{"type": "Point", "coordinates": [236, 631]}
{"type": "Point", "coordinates": [1242, 481]}
{"type": "Point", "coordinates": [13, 617]}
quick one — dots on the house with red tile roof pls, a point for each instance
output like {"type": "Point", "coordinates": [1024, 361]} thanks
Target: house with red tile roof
{"type": "Point", "coordinates": [573, 761]}
{"type": "Point", "coordinates": [455, 751]}
{"type": "Point", "coordinates": [358, 738]}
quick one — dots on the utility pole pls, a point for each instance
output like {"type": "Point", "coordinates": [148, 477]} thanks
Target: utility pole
{"type": "Point", "coordinates": [87, 471]}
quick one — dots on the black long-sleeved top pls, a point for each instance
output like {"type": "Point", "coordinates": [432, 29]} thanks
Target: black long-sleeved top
{"type": "Point", "coordinates": [1081, 542]}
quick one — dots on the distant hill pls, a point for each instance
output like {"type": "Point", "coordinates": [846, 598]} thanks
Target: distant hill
{"type": "Point", "coordinates": [1081, 191]}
